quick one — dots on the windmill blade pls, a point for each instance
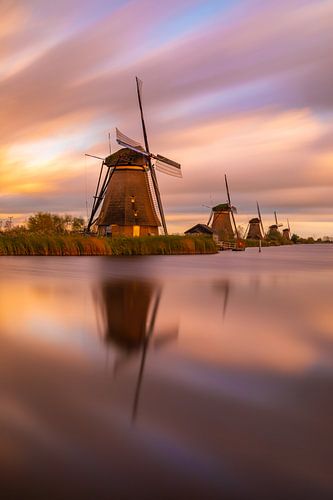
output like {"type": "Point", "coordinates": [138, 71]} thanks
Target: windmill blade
{"type": "Point", "coordinates": [232, 209]}
{"type": "Point", "coordinates": [227, 188]}
{"type": "Point", "coordinates": [94, 156]}
{"type": "Point", "coordinates": [139, 84]}
{"type": "Point", "coordinates": [127, 142]}
{"type": "Point", "coordinates": [144, 354]}
{"type": "Point", "coordinates": [276, 219]}
{"type": "Point", "coordinates": [167, 166]}
{"type": "Point", "coordinates": [234, 221]}
{"type": "Point", "coordinates": [100, 193]}
{"type": "Point", "coordinates": [288, 224]}
{"type": "Point", "coordinates": [210, 217]}
{"type": "Point", "coordinates": [261, 224]}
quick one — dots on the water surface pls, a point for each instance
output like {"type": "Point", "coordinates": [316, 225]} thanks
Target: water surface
{"type": "Point", "coordinates": [167, 377]}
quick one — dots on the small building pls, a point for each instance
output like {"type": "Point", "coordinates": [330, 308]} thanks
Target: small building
{"type": "Point", "coordinates": [202, 229]}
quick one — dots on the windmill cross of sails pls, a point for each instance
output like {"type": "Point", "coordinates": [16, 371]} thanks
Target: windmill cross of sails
{"type": "Point", "coordinates": [162, 164]}
{"type": "Point", "coordinates": [127, 199]}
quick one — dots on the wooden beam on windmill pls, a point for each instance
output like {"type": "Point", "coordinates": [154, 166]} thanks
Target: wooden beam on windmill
{"type": "Point", "coordinates": [104, 178]}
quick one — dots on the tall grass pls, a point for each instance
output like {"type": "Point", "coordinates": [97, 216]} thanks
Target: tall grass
{"type": "Point", "coordinates": [268, 243]}
{"type": "Point", "coordinates": [41, 244]}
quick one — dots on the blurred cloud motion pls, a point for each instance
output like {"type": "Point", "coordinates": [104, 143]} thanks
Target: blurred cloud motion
{"type": "Point", "coordinates": [243, 87]}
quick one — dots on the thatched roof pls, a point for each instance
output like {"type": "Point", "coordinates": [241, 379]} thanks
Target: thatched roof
{"type": "Point", "coordinates": [222, 207]}
{"type": "Point", "coordinates": [255, 220]}
{"type": "Point", "coordinates": [125, 156]}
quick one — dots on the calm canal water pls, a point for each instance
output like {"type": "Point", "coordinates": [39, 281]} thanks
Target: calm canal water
{"type": "Point", "coordinates": [167, 377]}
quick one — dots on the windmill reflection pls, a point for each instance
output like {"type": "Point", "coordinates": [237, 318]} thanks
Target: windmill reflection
{"type": "Point", "coordinates": [224, 287]}
{"type": "Point", "coordinates": [129, 309]}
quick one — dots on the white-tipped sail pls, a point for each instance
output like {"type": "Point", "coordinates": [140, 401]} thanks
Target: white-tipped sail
{"type": "Point", "coordinates": [167, 166]}
{"type": "Point", "coordinates": [127, 142]}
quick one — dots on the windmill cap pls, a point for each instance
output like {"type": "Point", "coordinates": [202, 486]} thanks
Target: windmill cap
{"type": "Point", "coordinates": [125, 156]}
{"type": "Point", "coordinates": [222, 207]}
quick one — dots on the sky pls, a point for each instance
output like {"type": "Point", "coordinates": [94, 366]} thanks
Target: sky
{"type": "Point", "coordinates": [242, 87]}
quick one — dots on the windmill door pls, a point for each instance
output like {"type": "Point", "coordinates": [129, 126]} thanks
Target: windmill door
{"type": "Point", "coordinates": [136, 230]}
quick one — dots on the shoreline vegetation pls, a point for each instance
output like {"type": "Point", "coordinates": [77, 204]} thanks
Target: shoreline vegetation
{"type": "Point", "coordinates": [53, 235]}
{"type": "Point", "coordinates": [36, 244]}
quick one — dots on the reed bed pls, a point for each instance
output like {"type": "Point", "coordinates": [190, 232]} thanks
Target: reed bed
{"type": "Point", "coordinates": [73, 245]}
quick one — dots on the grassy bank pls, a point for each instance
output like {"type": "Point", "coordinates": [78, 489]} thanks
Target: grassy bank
{"type": "Point", "coordinates": [45, 244]}
{"type": "Point", "coordinates": [267, 243]}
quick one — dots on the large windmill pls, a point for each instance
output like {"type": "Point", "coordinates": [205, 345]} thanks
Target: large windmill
{"type": "Point", "coordinates": [273, 230]}
{"type": "Point", "coordinates": [255, 228]}
{"type": "Point", "coordinates": [223, 219]}
{"type": "Point", "coordinates": [127, 187]}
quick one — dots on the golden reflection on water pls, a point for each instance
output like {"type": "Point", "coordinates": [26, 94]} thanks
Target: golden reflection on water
{"type": "Point", "coordinates": [196, 365]}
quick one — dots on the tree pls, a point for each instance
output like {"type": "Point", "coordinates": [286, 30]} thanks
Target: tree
{"type": "Point", "coordinates": [45, 222]}
{"type": "Point", "coordinates": [295, 238]}
{"type": "Point", "coordinates": [77, 223]}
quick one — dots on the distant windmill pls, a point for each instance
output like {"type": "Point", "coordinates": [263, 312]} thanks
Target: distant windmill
{"type": "Point", "coordinates": [255, 228]}
{"type": "Point", "coordinates": [223, 219]}
{"type": "Point", "coordinates": [286, 231]}
{"type": "Point", "coordinates": [128, 188]}
{"type": "Point", "coordinates": [273, 230]}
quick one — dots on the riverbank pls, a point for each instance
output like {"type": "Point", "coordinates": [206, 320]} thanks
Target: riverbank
{"type": "Point", "coordinates": [75, 245]}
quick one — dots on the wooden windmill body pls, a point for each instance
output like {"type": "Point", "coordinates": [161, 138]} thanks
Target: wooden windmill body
{"type": "Point", "coordinates": [273, 230]}
{"type": "Point", "coordinates": [222, 223]}
{"type": "Point", "coordinates": [128, 207]}
{"type": "Point", "coordinates": [256, 229]}
{"type": "Point", "coordinates": [127, 192]}
{"type": "Point", "coordinates": [223, 220]}
{"type": "Point", "coordinates": [286, 232]}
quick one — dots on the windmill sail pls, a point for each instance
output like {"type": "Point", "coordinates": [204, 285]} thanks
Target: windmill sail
{"type": "Point", "coordinates": [127, 142]}
{"type": "Point", "coordinates": [167, 166]}
{"type": "Point", "coordinates": [162, 164]}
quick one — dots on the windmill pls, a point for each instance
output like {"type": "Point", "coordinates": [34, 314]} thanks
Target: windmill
{"type": "Point", "coordinates": [255, 228]}
{"type": "Point", "coordinates": [273, 230]}
{"type": "Point", "coordinates": [127, 187]}
{"type": "Point", "coordinates": [223, 219]}
{"type": "Point", "coordinates": [286, 231]}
